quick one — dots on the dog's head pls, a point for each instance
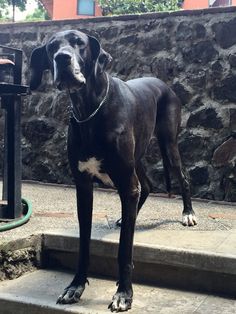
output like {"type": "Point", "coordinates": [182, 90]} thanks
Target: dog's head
{"type": "Point", "coordinates": [72, 56]}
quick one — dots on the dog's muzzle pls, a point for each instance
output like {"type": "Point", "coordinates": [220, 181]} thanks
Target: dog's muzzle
{"type": "Point", "coordinates": [67, 71]}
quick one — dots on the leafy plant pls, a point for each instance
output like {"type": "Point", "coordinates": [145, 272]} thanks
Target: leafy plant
{"type": "Point", "coordinates": [5, 5]}
{"type": "Point", "coordinates": [39, 14]}
{"type": "Point", "coordinates": [10, 5]}
{"type": "Point", "coordinates": [111, 7]}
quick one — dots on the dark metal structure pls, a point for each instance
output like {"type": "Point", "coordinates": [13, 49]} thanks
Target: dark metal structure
{"type": "Point", "coordinates": [11, 91]}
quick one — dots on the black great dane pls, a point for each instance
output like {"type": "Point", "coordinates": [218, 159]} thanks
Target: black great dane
{"type": "Point", "coordinates": [110, 128]}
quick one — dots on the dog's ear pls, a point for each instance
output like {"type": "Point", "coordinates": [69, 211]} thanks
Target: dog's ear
{"type": "Point", "coordinates": [103, 61]}
{"type": "Point", "coordinates": [38, 63]}
{"type": "Point", "coordinates": [100, 57]}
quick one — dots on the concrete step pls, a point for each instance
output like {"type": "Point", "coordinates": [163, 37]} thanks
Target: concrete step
{"type": "Point", "coordinates": [37, 292]}
{"type": "Point", "coordinates": [176, 267]}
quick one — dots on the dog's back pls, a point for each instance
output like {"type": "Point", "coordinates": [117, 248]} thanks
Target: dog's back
{"type": "Point", "coordinates": [151, 106]}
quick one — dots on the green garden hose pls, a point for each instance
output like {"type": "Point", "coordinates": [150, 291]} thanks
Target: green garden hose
{"type": "Point", "coordinates": [27, 211]}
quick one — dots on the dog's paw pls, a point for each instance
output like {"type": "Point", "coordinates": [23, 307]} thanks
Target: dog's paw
{"type": "Point", "coordinates": [121, 302]}
{"type": "Point", "coordinates": [71, 295]}
{"type": "Point", "coordinates": [189, 219]}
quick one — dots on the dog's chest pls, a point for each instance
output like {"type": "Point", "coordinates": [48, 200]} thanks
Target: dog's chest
{"type": "Point", "coordinates": [93, 166]}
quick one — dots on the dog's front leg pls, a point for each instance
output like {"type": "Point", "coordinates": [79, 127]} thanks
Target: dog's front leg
{"type": "Point", "coordinates": [84, 191]}
{"type": "Point", "coordinates": [129, 195]}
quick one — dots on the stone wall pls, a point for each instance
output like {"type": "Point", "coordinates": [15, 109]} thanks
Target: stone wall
{"type": "Point", "coordinates": [192, 51]}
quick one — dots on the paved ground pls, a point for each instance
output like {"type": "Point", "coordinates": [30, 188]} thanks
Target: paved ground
{"type": "Point", "coordinates": [54, 208]}
{"type": "Point", "coordinates": [159, 223]}
{"type": "Point", "coordinates": [41, 289]}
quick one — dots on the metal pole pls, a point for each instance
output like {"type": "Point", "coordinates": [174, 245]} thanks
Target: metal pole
{"type": "Point", "coordinates": [13, 138]}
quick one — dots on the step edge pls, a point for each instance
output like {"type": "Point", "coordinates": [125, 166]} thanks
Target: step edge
{"type": "Point", "coordinates": [41, 305]}
{"type": "Point", "coordinates": [145, 253]}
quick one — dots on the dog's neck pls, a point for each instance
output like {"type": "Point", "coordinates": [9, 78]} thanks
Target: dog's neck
{"type": "Point", "coordinates": [88, 98]}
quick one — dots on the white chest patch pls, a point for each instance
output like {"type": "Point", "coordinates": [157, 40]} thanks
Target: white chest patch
{"type": "Point", "coordinates": [93, 167]}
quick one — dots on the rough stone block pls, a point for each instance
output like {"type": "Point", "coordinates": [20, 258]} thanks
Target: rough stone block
{"type": "Point", "coordinates": [199, 175]}
{"type": "Point", "coordinates": [207, 118]}
{"type": "Point", "coordinates": [201, 52]}
{"type": "Point", "coordinates": [232, 60]}
{"type": "Point", "coordinates": [225, 89]}
{"type": "Point", "coordinates": [225, 33]}
{"type": "Point", "coordinates": [197, 78]}
{"type": "Point", "coordinates": [156, 42]}
{"type": "Point", "coordinates": [5, 38]}
{"type": "Point", "coordinates": [232, 113]}
{"type": "Point", "coordinates": [186, 31]}
{"type": "Point", "coordinates": [182, 92]}
{"type": "Point", "coordinates": [225, 154]}
{"type": "Point", "coordinates": [39, 130]}
{"type": "Point", "coordinates": [164, 68]}
{"type": "Point", "coordinates": [194, 147]}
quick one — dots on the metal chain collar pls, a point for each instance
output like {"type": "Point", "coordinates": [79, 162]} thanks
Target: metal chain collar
{"type": "Point", "coordinates": [98, 108]}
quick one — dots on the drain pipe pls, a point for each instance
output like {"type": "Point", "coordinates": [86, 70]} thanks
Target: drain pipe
{"type": "Point", "coordinates": [27, 212]}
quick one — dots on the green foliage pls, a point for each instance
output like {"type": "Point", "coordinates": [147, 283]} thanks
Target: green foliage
{"type": "Point", "coordinates": [117, 7]}
{"type": "Point", "coordinates": [20, 4]}
{"type": "Point", "coordinates": [3, 9]}
{"type": "Point", "coordinates": [38, 15]}
{"type": "Point", "coordinates": [7, 10]}
{"type": "Point", "coordinates": [6, 5]}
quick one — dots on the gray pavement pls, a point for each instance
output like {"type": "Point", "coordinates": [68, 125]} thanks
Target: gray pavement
{"type": "Point", "coordinates": [37, 293]}
{"type": "Point", "coordinates": [158, 227]}
{"type": "Point", "coordinates": [159, 221]}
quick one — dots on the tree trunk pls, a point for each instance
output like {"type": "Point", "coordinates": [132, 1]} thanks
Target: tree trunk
{"type": "Point", "coordinates": [13, 10]}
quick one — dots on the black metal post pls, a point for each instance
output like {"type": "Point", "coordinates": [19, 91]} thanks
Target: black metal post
{"type": "Point", "coordinates": [18, 67]}
{"type": "Point", "coordinates": [12, 175]}
{"type": "Point", "coordinates": [10, 94]}
{"type": "Point", "coordinates": [5, 153]}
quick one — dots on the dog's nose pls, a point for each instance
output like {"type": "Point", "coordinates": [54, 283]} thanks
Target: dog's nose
{"type": "Point", "coordinates": [63, 59]}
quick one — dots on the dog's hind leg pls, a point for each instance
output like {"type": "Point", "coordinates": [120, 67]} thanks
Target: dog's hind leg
{"type": "Point", "coordinates": [145, 188]}
{"type": "Point", "coordinates": [166, 165]}
{"type": "Point", "coordinates": [167, 133]}
{"type": "Point", "coordinates": [188, 218]}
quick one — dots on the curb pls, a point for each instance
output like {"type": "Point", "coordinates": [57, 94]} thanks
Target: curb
{"type": "Point", "coordinates": [158, 265]}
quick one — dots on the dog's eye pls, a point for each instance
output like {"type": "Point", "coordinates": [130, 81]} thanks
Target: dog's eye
{"type": "Point", "coordinates": [80, 42]}
{"type": "Point", "coordinates": [73, 41]}
{"type": "Point", "coordinates": [76, 41]}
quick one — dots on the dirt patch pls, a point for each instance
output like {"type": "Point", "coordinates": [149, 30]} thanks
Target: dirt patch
{"type": "Point", "coordinates": [20, 256]}
{"type": "Point", "coordinates": [54, 214]}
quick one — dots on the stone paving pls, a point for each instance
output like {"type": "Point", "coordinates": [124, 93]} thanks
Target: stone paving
{"type": "Point", "coordinates": [159, 223]}
{"type": "Point", "coordinates": [42, 288]}
{"type": "Point", "coordinates": [54, 207]}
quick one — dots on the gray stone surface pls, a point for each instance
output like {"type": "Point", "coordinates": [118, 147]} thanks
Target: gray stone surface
{"type": "Point", "coordinates": [159, 228]}
{"type": "Point", "coordinates": [194, 52]}
{"type": "Point", "coordinates": [36, 293]}
{"type": "Point", "coordinates": [54, 208]}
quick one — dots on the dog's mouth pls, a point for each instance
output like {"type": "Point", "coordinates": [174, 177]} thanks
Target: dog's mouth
{"type": "Point", "coordinates": [68, 78]}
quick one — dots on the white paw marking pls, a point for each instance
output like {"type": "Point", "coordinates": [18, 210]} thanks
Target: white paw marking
{"type": "Point", "coordinates": [93, 167]}
{"type": "Point", "coordinates": [189, 220]}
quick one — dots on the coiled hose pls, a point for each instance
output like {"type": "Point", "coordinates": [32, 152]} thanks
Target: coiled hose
{"type": "Point", "coordinates": [27, 212]}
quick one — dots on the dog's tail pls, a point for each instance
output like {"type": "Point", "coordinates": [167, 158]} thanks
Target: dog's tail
{"type": "Point", "coordinates": [166, 163]}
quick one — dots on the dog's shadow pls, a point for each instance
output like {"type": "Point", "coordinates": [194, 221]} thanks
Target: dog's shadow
{"type": "Point", "coordinates": [156, 225]}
